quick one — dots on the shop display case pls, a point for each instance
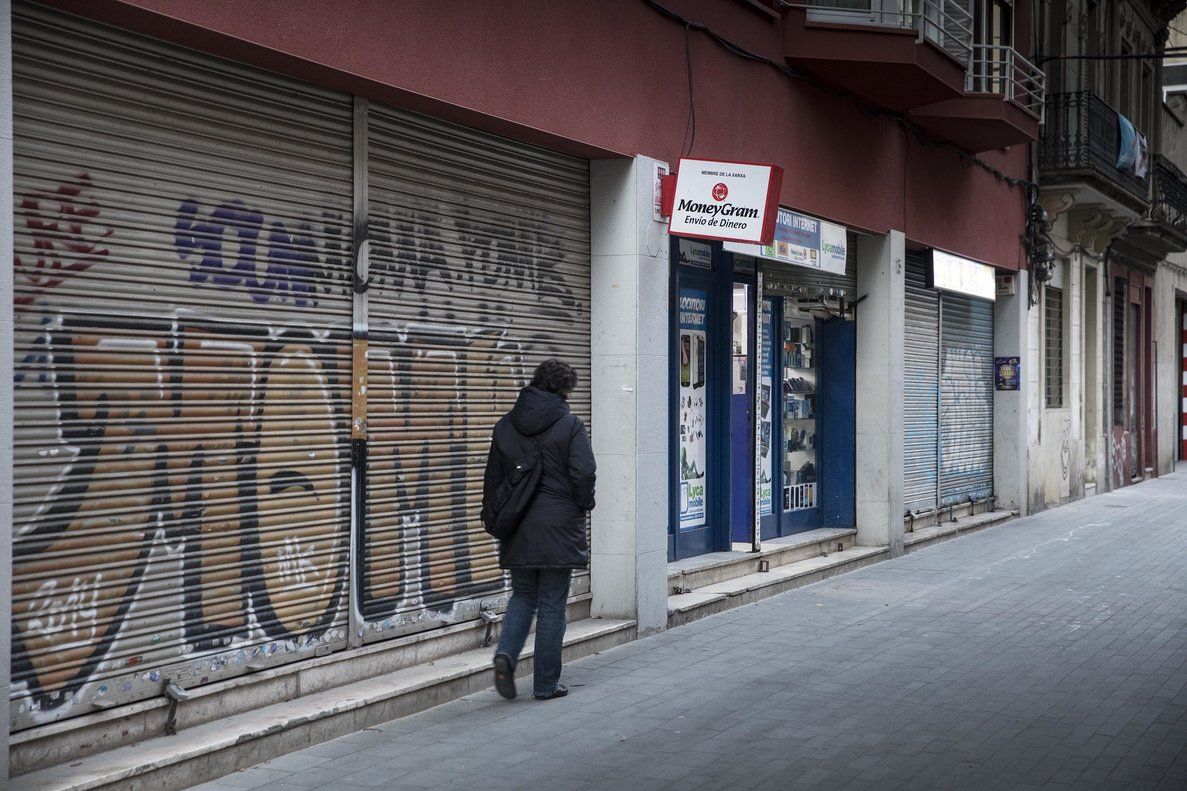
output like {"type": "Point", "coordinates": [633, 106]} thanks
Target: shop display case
{"type": "Point", "coordinates": [799, 410]}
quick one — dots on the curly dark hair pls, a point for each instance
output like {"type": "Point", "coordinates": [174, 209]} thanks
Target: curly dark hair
{"type": "Point", "coordinates": [555, 377]}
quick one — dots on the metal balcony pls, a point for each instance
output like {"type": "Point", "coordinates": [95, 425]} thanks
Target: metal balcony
{"type": "Point", "coordinates": [898, 55]}
{"type": "Point", "coordinates": [945, 23]}
{"type": "Point", "coordinates": [1079, 147]}
{"type": "Point", "coordinates": [1002, 71]}
{"type": "Point", "coordinates": [1170, 198]}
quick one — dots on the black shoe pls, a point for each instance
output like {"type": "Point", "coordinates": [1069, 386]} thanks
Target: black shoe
{"type": "Point", "coordinates": [560, 691]}
{"type": "Point", "coordinates": [504, 676]}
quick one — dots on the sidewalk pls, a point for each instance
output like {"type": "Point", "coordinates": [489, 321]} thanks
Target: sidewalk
{"type": "Point", "coordinates": [1050, 652]}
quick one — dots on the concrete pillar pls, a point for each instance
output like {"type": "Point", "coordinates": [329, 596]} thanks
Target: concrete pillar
{"type": "Point", "coordinates": [881, 322]}
{"type": "Point", "coordinates": [1011, 333]}
{"type": "Point", "coordinates": [6, 410]}
{"type": "Point", "coordinates": [1074, 375]}
{"type": "Point", "coordinates": [629, 307]}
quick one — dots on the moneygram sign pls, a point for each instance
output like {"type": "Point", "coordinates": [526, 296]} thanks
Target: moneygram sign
{"type": "Point", "coordinates": [730, 201]}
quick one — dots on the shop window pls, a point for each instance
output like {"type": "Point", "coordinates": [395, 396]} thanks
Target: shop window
{"type": "Point", "coordinates": [799, 410]}
{"type": "Point", "coordinates": [740, 341]}
{"type": "Point", "coordinates": [1053, 347]}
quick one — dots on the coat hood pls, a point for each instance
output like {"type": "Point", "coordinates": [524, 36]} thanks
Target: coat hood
{"type": "Point", "coordinates": [535, 410]}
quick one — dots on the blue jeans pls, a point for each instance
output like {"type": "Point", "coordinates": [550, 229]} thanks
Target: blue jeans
{"type": "Point", "coordinates": [539, 592]}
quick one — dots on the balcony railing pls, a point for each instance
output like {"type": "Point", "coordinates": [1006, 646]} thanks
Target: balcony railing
{"type": "Point", "coordinates": [946, 23]}
{"type": "Point", "coordinates": [1080, 133]}
{"type": "Point", "coordinates": [1002, 71]}
{"type": "Point", "coordinates": [1170, 195]}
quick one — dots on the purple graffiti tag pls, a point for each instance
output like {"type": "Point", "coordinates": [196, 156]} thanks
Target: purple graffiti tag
{"type": "Point", "coordinates": [203, 241]}
{"type": "Point", "coordinates": [288, 271]}
{"type": "Point", "coordinates": [291, 256]}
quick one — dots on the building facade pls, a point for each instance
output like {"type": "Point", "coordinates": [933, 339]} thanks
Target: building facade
{"type": "Point", "coordinates": [278, 270]}
{"type": "Point", "coordinates": [1111, 191]}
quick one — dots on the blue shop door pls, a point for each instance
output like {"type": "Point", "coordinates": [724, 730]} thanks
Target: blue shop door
{"type": "Point", "coordinates": [741, 413]}
{"type": "Point", "coordinates": [838, 368]}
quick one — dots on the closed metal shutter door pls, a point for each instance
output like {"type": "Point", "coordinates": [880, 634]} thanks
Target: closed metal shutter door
{"type": "Point", "coordinates": [181, 448]}
{"type": "Point", "coordinates": [480, 270]}
{"type": "Point", "coordinates": [920, 389]}
{"type": "Point", "coordinates": [966, 399]}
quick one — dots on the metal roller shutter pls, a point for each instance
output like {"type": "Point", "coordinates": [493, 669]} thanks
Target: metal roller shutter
{"type": "Point", "coordinates": [966, 399]}
{"type": "Point", "coordinates": [480, 269]}
{"type": "Point", "coordinates": [183, 316]}
{"type": "Point", "coordinates": [920, 390]}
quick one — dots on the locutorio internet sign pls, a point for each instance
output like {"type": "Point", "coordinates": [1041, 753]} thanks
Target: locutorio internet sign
{"type": "Point", "coordinates": [730, 201]}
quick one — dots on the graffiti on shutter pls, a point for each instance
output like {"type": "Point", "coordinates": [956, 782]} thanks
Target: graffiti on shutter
{"type": "Point", "coordinates": [479, 271]}
{"type": "Point", "coordinates": [180, 460]}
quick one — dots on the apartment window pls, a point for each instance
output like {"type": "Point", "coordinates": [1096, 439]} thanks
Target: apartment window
{"type": "Point", "coordinates": [1053, 346]}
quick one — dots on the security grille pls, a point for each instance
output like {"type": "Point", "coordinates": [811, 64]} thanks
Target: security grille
{"type": "Point", "coordinates": [921, 392]}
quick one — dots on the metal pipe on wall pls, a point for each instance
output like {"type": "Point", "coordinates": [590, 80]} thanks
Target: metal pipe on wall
{"type": "Point", "coordinates": [6, 371]}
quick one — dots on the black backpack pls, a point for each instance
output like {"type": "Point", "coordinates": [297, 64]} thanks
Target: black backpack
{"type": "Point", "coordinates": [501, 517]}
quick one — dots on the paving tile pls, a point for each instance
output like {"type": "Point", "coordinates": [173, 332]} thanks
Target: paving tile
{"type": "Point", "coordinates": [1049, 652]}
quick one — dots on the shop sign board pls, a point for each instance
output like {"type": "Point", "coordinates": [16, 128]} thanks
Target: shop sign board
{"type": "Point", "coordinates": [961, 276]}
{"type": "Point", "coordinates": [728, 201]}
{"type": "Point", "coordinates": [801, 240]}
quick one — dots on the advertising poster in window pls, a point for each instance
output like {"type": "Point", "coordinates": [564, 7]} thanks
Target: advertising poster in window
{"type": "Point", "coordinates": [693, 406]}
{"type": "Point", "coordinates": [766, 423]}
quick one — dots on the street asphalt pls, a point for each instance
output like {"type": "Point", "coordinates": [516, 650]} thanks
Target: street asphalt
{"type": "Point", "coordinates": [1050, 652]}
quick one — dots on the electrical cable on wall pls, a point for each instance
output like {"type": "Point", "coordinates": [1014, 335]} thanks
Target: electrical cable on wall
{"type": "Point", "coordinates": [900, 119]}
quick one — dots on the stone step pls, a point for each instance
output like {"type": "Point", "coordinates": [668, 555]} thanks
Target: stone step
{"type": "Point", "coordinates": [698, 572]}
{"type": "Point", "coordinates": [718, 597]}
{"type": "Point", "coordinates": [217, 748]}
{"type": "Point", "coordinates": [921, 537]}
{"type": "Point", "coordinates": [101, 731]}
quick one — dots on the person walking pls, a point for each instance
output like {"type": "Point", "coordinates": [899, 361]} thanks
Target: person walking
{"type": "Point", "coordinates": [550, 540]}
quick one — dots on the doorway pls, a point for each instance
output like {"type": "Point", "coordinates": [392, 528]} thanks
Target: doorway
{"type": "Point", "coordinates": [742, 376]}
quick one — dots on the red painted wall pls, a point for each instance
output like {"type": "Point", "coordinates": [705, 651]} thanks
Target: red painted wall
{"type": "Point", "coordinates": [599, 78]}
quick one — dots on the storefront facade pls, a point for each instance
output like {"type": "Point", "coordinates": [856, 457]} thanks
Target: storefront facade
{"type": "Point", "coordinates": [948, 389]}
{"type": "Point", "coordinates": [272, 293]}
{"type": "Point", "coordinates": [1132, 433]}
{"type": "Point", "coordinates": [762, 417]}
{"type": "Point", "coordinates": [762, 389]}
{"type": "Point", "coordinates": [231, 452]}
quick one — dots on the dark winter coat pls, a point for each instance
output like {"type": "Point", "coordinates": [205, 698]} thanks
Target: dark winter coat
{"type": "Point", "coordinates": [552, 533]}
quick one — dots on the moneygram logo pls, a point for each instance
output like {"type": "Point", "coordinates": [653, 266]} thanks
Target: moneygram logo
{"type": "Point", "coordinates": [720, 191]}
